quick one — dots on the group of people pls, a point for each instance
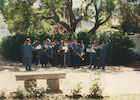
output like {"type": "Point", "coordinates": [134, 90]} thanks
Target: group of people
{"type": "Point", "coordinates": [63, 53]}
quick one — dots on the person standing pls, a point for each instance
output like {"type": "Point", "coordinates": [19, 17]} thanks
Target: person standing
{"type": "Point", "coordinates": [93, 55]}
{"type": "Point", "coordinates": [83, 49]}
{"type": "Point", "coordinates": [68, 53]}
{"type": "Point", "coordinates": [71, 52]}
{"type": "Point", "coordinates": [62, 53]}
{"type": "Point", "coordinates": [102, 55]}
{"type": "Point", "coordinates": [76, 47]}
{"type": "Point", "coordinates": [44, 54]}
{"type": "Point", "coordinates": [21, 48]}
{"type": "Point", "coordinates": [55, 48]}
{"type": "Point", "coordinates": [28, 48]}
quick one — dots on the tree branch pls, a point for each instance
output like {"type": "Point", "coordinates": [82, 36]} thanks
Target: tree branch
{"type": "Point", "coordinates": [53, 10]}
{"type": "Point", "coordinates": [106, 19]}
{"type": "Point", "coordinates": [87, 6]}
{"type": "Point", "coordinates": [29, 2]}
{"type": "Point", "coordinates": [65, 25]}
{"type": "Point", "coordinates": [43, 17]}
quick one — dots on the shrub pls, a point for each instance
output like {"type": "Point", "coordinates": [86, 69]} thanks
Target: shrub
{"type": "Point", "coordinates": [77, 89]}
{"type": "Point", "coordinates": [37, 91]}
{"type": "Point", "coordinates": [32, 92]}
{"type": "Point", "coordinates": [3, 93]}
{"type": "Point", "coordinates": [118, 50]}
{"type": "Point", "coordinates": [21, 93]}
{"type": "Point", "coordinates": [95, 88]}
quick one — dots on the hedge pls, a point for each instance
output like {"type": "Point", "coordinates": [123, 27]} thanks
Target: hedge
{"type": "Point", "coordinates": [118, 51]}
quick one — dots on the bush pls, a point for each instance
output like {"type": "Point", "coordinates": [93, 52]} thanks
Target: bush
{"type": "Point", "coordinates": [77, 89]}
{"type": "Point", "coordinates": [118, 51]}
{"type": "Point", "coordinates": [21, 93]}
{"type": "Point", "coordinates": [95, 88]}
{"type": "Point", "coordinates": [32, 92]}
{"type": "Point", "coordinates": [3, 93]}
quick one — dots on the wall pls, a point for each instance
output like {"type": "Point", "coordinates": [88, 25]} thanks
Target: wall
{"type": "Point", "coordinates": [136, 40]}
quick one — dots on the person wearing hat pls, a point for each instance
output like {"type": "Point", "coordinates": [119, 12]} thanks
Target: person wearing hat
{"type": "Point", "coordinates": [28, 48]}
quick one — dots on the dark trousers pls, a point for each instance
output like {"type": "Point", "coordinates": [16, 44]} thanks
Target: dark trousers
{"type": "Point", "coordinates": [28, 62]}
{"type": "Point", "coordinates": [23, 58]}
{"type": "Point", "coordinates": [93, 58]}
{"type": "Point", "coordinates": [44, 59]}
{"type": "Point", "coordinates": [68, 60]}
{"type": "Point", "coordinates": [76, 60]}
{"type": "Point", "coordinates": [55, 60]}
{"type": "Point", "coordinates": [101, 61]}
{"type": "Point", "coordinates": [61, 60]}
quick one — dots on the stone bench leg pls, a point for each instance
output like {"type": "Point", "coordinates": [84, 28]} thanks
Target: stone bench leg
{"type": "Point", "coordinates": [53, 84]}
{"type": "Point", "coordinates": [29, 84]}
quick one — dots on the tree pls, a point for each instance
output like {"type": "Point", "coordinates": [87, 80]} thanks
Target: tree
{"type": "Point", "coordinates": [129, 16]}
{"type": "Point", "coordinates": [20, 15]}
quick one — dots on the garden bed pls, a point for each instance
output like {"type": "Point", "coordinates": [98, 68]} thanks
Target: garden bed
{"type": "Point", "coordinates": [135, 63]}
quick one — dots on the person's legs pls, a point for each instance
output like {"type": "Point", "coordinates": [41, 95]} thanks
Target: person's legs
{"type": "Point", "coordinates": [68, 60]}
{"type": "Point", "coordinates": [62, 60]}
{"type": "Point", "coordinates": [78, 61]}
{"type": "Point", "coordinates": [29, 62]}
{"type": "Point", "coordinates": [91, 60]}
{"type": "Point", "coordinates": [26, 67]}
{"type": "Point", "coordinates": [74, 61]}
{"type": "Point", "coordinates": [99, 63]}
{"type": "Point", "coordinates": [54, 60]}
{"type": "Point", "coordinates": [95, 60]}
{"type": "Point", "coordinates": [23, 59]}
{"type": "Point", "coordinates": [46, 60]}
{"type": "Point", "coordinates": [42, 59]}
{"type": "Point", "coordinates": [103, 63]}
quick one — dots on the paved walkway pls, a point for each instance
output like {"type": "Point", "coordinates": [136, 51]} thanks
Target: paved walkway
{"type": "Point", "coordinates": [114, 80]}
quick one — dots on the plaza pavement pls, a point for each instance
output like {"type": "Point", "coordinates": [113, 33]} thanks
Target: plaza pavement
{"type": "Point", "coordinates": [114, 80]}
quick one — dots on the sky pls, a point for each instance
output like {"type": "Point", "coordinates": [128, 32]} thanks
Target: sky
{"type": "Point", "coordinates": [76, 3]}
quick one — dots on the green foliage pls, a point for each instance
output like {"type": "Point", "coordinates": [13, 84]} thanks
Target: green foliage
{"type": "Point", "coordinates": [21, 16]}
{"type": "Point", "coordinates": [21, 93]}
{"type": "Point", "coordinates": [37, 91]}
{"type": "Point", "coordinates": [3, 93]}
{"type": "Point", "coordinates": [88, 38]}
{"type": "Point", "coordinates": [118, 51]}
{"type": "Point", "coordinates": [77, 89]}
{"type": "Point", "coordinates": [32, 92]}
{"type": "Point", "coordinates": [129, 16]}
{"type": "Point", "coordinates": [118, 46]}
{"type": "Point", "coordinates": [64, 36]}
{"type": "Point", "coordinates": [95, 88]}
{"type": "Point", "coordinates": [10, 46]}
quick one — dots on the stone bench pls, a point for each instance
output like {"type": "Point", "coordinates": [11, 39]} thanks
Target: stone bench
{"type": "Point", "coordinates": [52, 79]}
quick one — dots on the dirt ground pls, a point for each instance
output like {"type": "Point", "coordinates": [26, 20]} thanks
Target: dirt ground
{"type": "Point", "coordinates": [114, 80]}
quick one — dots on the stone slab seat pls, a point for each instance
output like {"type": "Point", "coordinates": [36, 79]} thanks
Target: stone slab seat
{"type": "Point", "coordinates": [51, 78]}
